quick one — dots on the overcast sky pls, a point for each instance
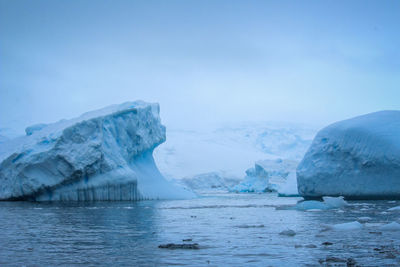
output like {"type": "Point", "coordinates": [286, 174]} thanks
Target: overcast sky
{"type": "Point", "coordinates": [204, 61]}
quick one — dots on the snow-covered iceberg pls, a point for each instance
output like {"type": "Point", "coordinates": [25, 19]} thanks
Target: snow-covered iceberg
{"type": "Point", "coordinates": [357, 158]}
{"type": "Point", "coordinates": [102, 155]}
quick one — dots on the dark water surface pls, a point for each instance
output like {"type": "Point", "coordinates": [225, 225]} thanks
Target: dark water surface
{"type": "Point", "coordinates": [231, 230]}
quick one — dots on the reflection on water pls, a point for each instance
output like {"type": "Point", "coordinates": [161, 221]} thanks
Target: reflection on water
{"type": "Point", "coordinates": [230, 229]}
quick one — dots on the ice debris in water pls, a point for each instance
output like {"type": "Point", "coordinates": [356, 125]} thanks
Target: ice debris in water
{"type": "Point", "coordinates": [364, 219]}
{"type": "Point", "coordinates": [344, 226]}
{"type": "Point", "coordinates": [288, 232]}
{"type": "Point", "coordinates": [251, 226]}
{"type": "Point", "coordinates": [393, 226]}
{"type": "Point", "coordinates": [326, 204]}
{"type": "Point", "coordinates": [335, 202]}
{"type": "Point", "coordinates": [179, 246]}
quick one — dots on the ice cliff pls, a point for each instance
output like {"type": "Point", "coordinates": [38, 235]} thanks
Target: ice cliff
{"type": "Point", "coordinates": [357, 158]}
{"type": "Point", "coordinates": [102, 155]}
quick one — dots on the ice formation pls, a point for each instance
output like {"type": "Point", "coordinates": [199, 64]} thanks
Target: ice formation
{"type": "Point", "coordinates": [335, 202]}
{"type": "Point", "coordinates": [345, 226]}
{"type": "Point", "coordinates": [357, 158]}
{"type": "Point", "coordinates": [102, 155]}
{"type": "Point", "coordinates": [397, 208]}
{"type": "Point", "coordinates": [288, 232]}
{"type": "Point", "coordinates": [393, 226]}
{"type": "Point", "coordinates": [328, 203]}
{"type": "Point", "coordinates": [364, 219]}
{"type": "Point", "coordinates": [267, 175]}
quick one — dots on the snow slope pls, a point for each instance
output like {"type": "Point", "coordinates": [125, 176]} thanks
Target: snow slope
{"type": "Point", "coordinates": [102, 155]}
{"type": "Point", "coordinates": [355, 158]}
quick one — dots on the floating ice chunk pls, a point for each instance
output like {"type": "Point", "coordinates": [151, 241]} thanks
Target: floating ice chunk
{"type": "Point", "coordinates": [393, 226]}
{"type": "Point", "coordinates": [364, 219]}
{"type": "Point", "coordinates": [328, 203]}
{"type": "Point", "coordinates": [251, 226]}
{"type": "Point", "coordinates": [348, 226]}
{"type": "Point", "coordinates": [394, 209]}
{"type": "Point", "coordinates": [311, 205]}
{"type": "Point", "coordinates": [344, 226]}
{"type": "Point", "coordinates": [288, 232]}
{"type": "Point", "coordinates": [335, 202]}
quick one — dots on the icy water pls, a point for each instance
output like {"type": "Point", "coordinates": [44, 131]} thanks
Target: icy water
{"type": "Point", "coordinates": [231, 230]}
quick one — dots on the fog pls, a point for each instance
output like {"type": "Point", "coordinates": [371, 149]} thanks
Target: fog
{"type": "Point", "coordinates": [205, 62]}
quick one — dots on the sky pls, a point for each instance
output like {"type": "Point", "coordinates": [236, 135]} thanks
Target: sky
{"type": "Point", "coordinates": [205, 62]}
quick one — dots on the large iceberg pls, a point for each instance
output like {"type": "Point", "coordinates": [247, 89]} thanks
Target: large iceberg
{"type": "Point", "coordinates": [102, 155]}
{"type": "Point", "coordinates": [357, 158]}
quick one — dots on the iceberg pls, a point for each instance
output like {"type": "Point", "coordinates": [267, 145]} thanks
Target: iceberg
{"type": "Point", "coordinates": [266, 176]}
{"type": "Point", "coordinates": [102, 155]}
{"type": "Point", "coordinates": [357, 158]}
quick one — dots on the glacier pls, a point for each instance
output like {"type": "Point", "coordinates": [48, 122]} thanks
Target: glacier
{"type": "Point", "coordinates": [230, 149]}
{"type": "Point", "coordinates": [210, 182]}
{"type": "Point", "coordinates": [105, 154]}
{"type": "Point", "coordinates": [358, 158]}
